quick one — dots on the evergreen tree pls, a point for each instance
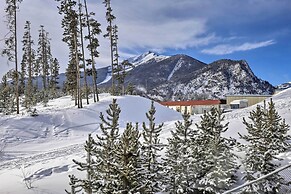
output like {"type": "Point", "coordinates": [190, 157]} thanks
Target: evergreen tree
{"type": "Point", "coordinates": [45, 61]}
{"type": "Point", "coordinates": [82, 24]}
{"type": "Point", "coordinates": [22, 78]}
{"type": "Point", "coordinates": [121, 74]}
{"type": "Point", "coordinates": [217, 161]}
{"type": "Point", "coordinates": [266, 137]}
{"type": "Point", "coordinates": [6, 93]}
{"type": "Point", "coordinates": [171, 180]}
{"type": "Point", "coordinates": [28, 61]}
{"type": "Point", "coordinates": [130, 89]}
{"type": "Point", "coordinates": [89, 185]}
{"type": "Point", "coordinates": [150, 157]}
{"type": "Point", "coordinates": [93, 32]}
{"type": "Point", "coordinates": [70, 24]}
{"type": "Point", "coordinates": [112, 35]}
{"type": "Point", "coordinates": [179, 172]}
{"type": "Point", "coordinates": [129, 163]}
{"type": "Point", "coordinates": [106, 144]}
{"type": "Point", "coordinates": [54, 72]}
{"type": "Point", "coordinates": [11, 49]}
{"type": "Point", "coordinates": [75, 187]}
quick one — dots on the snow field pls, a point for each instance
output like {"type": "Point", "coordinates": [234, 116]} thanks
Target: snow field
{"type": "Point", "coordinates": [43, 147]}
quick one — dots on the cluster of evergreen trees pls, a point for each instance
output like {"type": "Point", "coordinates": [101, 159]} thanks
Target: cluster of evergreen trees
{"type": "Point", "coordinates": [196, 160]}
{"type": "Point", "coordinates": [38, 76]}
{"type": "Point", "coordinates": [81, 31]}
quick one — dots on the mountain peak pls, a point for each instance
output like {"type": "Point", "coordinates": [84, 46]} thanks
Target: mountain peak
{"type": "Point", "coordinates": [146, 57]}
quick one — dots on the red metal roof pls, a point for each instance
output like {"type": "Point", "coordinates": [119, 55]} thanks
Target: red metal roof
{"type": "Point", "coordinates": [191, 103]}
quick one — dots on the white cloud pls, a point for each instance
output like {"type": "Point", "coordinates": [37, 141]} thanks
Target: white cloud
{"type": "Point", "coordinates": [146, 25]}
{"type": "Point", "coordinates": [224, 49]}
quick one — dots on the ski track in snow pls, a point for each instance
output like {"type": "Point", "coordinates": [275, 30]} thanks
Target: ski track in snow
{"type": "Point", "coordinates": [42, 157]}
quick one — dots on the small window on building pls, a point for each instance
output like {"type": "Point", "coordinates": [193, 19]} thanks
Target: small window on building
{"type": "Point", "coordinates": [234, 106]}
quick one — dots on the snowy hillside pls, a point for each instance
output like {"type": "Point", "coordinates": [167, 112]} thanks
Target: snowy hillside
{"type": "Point", "coordinates": [44, 146]}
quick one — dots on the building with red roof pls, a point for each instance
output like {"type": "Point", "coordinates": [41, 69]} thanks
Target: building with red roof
{"type": "Point", "coordinates": [193, 106]}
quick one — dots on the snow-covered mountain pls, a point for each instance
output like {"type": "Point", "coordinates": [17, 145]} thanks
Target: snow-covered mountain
{"type": "Point", "coordinates": [218, 79]}
{"type": "Point", "coordinates": [148, 57]}
{"type": "Point", "coordinates": [284, 86]}
{"type": "Point", "coordinates": [183, 77]}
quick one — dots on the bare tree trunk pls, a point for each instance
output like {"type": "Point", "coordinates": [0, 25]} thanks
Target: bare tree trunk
{"type": "Point", "coordinates": [79, 98]}
{"type": "Point", "coordinates": [16, 63]}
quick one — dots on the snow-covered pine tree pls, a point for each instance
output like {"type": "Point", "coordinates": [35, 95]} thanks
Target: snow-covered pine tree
{"type": "Point", "coordinates": [74, 184]}
{"type": "Point", "coordinates": [102, 163]}
{"type": "Point", "coordinates": [172, 169]}
{"type": "Point", "coordinates": [151, 159]}
{"type": "Point", "coordinates": [129, 161]}
{"type": "Point", "coordinates": [106, 144]}
{"type": "Point", "coordinates": [276, 130]}
{"type": "Point", "coordinates": [266, 137]}
{"type": "Point", "coordinates": [89, 185]}
{"type": "Point", "coordinates": [180, 176]}
{"type": "Point", "coordinates": [217, 161]}
{"type": "Point", "coordinates": [6, 95]}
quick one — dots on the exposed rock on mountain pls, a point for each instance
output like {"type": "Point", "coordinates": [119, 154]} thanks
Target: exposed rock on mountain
{"type": "Point", "coordinates": [183, 77]}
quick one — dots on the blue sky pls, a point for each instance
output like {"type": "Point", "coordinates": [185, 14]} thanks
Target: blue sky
{"type": "Point", "coordinates": [258, 31]}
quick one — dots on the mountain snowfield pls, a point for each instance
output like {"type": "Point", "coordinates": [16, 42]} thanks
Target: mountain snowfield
{"type": "Point", "coordinates": [43, 147]}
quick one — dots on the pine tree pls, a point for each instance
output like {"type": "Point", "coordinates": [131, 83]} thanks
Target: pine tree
{"type": "Point", "coordinates": [22, 78]}
{"type": "Point", "coordinates": [89, 185]}
{"type": "Point", "coordinates": [27, 64]}
{"type": "Point", "coordinates": [11, 49]}
{"type": "Point", "coordinates": [112, 35]}
{"type": "Point", "coordinates": [267, 137]}
{"type": "Point", "coordinates": [70, 24]}
{"type": "Point", "coordinates": [129, 163]}
{"type": "Point", "coordinates": [45, 61]}
{"type": "Point", "coordinates": [218, 163]}
{"type": "Point", "coordinates": [179, 172]}
{"type": "Point", "coordinates": [93, 31]}
{"type": "Point", "coordinates": [74, 183]}
{"type": "Point", "coordinates": [150, 157]}
{"type": "Point", "coordinates": [54, 72]}
{"type": "Point", "coordinates": [172, 169]}
{"type": "Point", "coordinates": [82, 24]}
{"type": "Point", "coordinates": [6, 93]}
{"type": "Point", "coordinates": [121, 73]}
{"type": "Point", "coordinates": [107, 143]}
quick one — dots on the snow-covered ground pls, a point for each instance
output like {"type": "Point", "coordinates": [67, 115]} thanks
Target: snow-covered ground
{"type": "Point", "coordinates": [43, 147]}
